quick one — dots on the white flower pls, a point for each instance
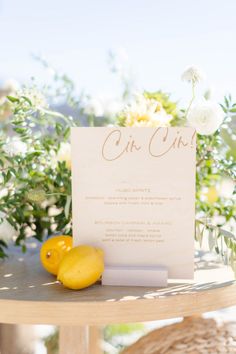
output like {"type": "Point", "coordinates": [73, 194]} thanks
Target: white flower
{"type": "Point", "coordinates": [7, 231]}
{"type": "Point", "coordinates": [206, 117]}
{"type": "Point", "coordinates": [3, 192]}
{"type": "Point", "coordinates": [36, 97]}
{"type": "Point", "coordinates": [48, 202]}
{"type": "Point", "coordinates": [54, 211]}
{"type": "Point", "coordinates": [102, 106]}
{"type": "Point", "coordinates": [226, 188]}
{"type": "Point", "coordinates": [94, 107]}
{"type": "Point", "coordinates": [112, 107]}
{"type": "Point", "coordinates": [29, 232]}
{"type": "Point", "coordinates": [192, 74]}
{"type": "Point", "coordinates": [64, 154]}
{"type": "Point", "coordinates": [15, 146]}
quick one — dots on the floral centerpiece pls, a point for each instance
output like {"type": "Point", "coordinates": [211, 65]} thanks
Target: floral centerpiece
{"type": "Point", "coordinates": [35, 165]}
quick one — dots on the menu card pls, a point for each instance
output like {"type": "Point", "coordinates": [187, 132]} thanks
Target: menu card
{"type": "Point", "coordinates": [133, 195]}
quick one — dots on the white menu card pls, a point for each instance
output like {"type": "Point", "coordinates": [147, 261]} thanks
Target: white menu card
{"type": "Point", "coordinates": [133, 195]}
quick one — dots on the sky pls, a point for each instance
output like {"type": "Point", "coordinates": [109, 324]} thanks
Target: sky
{"type": "Point", "coordinates": [160, 39]}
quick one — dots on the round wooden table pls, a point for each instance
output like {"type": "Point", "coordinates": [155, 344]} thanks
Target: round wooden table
{"type": "Point", "coordinates": [29, 295]}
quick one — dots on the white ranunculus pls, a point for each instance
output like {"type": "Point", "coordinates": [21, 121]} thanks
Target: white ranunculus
{"type": "Point", "coordinates": [64, 154]}
{"type": "Point", "coordinates": [7, 231]}
{"type": "Point", "coordinates": [15, 147]}
{"type": "Point", "coordinates": [102, 106]}
{"type": "Point", "coordinates": [192, 74]}
{"type": "Point", "coordinates": [206, 117]}
{"type": "Point", "coordinates": [94, 107]}
{"type": "Point", "coordinates": [112, 107]}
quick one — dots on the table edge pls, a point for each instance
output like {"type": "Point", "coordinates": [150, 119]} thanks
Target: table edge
{"type": "Point", "coordinates": [125, 311]}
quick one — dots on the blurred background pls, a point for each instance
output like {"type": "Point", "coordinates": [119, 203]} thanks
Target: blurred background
{"type": "Point", "coordinates": [156, 39]}
{"type": "Point", "coordinates": [146, 44]}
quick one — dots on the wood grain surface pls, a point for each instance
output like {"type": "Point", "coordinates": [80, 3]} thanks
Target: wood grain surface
{"type": "Point", "coordinates": [30, 295]}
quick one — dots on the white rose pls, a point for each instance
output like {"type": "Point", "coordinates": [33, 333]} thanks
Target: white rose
{"type": "Point", "coordinates": [7, 231]}
{"type": "Point", "coordinates": [206, 117]}
{"type": "Point", "coordinates": [112, 107]}
{"type": "Point", "coordinates": [192, 74]}
{"type": "Point", "coordinates": [94, 107]}
{"type": "Point", "coordinates": [15, 147]}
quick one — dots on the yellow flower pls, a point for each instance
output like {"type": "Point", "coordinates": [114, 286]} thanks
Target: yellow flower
{"type": "Point", "coordinates": [145, 112]}
{"type": "Point", "coordinates": [212, 195]}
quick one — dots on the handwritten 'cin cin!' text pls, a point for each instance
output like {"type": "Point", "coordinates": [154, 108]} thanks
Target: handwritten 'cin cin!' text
{"type": "Point", "coordinates": [160, 143]}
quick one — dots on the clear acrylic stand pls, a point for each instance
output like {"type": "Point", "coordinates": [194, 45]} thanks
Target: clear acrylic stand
{"type": "Point", "coordinates": [135, 276]}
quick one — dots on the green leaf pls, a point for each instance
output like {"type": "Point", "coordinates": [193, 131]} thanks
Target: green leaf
{"type": "Point", "coordinates": [58, 128]}
{"type": "Point", "coordinates": [226, 102]}
{"type": "Point", "coordinates": [67, 133]}
{"type": "Point", "coordinates": [27, 100]}
{"type": "Point", "coordinates": [67, 206]}
{"type": "Point", "coordinates": [3, 244]}
{"type": "Point", "coordinates": [2, 253]}
{"type": "Point", "coordinates": [227, 234]}
{"type": "Point", "coordinates": [23, 248]}
{"type": "Point", "coordinates": [223, 107]}
{"type": "Point", "coordinates": [211, 240]}
{"type": "Point", "coordinates": [13, 99]}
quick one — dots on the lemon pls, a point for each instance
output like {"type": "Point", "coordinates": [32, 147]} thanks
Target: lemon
{"type": "Point", "coordinates": [81, 267]}
{"type": "Point", "coordinates": [53, 250]}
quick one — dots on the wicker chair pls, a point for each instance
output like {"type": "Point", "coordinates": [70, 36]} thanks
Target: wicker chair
{"type": "Point", "coordinates": [194, 335]}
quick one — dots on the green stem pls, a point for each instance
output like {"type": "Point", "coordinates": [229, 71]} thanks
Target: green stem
{"type": "Point", "coordinates": [50, 194]}
{"type": "Point", "coordinates": [230, 235]}
{"type": "Point", "coordinates": [91, 120]}
{"type": "Point", "coordinates": [191, 101]}
{"type": "Point", "coordinates": [58, 115]}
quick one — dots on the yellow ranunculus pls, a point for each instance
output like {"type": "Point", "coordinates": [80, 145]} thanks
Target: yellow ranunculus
{"type": "Point", "coordinates": [145, 112]}
{"type": "Point", "coordinates": [212, 195]}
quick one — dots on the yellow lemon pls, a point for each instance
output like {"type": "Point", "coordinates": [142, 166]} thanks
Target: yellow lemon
{"type": "Point", "coordinates": [53, 250]}
{"type": "Point", "coordinates": [81, 267]}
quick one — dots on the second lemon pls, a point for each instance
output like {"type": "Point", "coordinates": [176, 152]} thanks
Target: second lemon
{"type": "Point", "coordinates": [81, 267]}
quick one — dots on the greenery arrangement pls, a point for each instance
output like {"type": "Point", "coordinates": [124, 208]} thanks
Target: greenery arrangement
{"type": "Point", "coordinates": [35, 165]}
